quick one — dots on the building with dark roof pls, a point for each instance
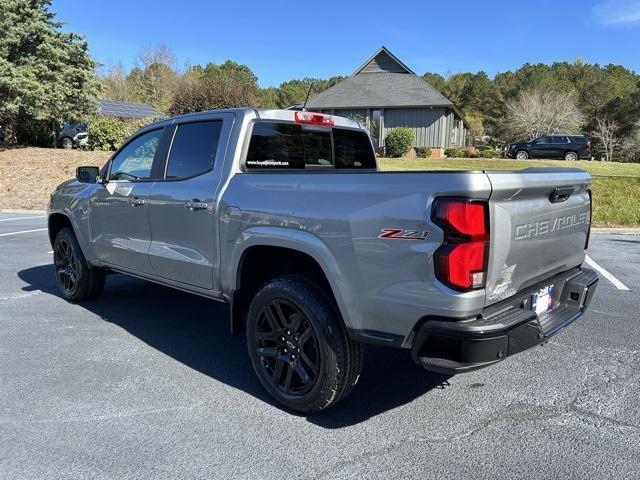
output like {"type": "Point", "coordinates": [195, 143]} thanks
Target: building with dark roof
{"type": "Point", "coordinates": [115, 108]}
{"type": "Point", "coordinates": [384, 93]}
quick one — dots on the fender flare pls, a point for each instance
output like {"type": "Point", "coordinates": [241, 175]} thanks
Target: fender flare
{"type": "Point", "coordinates": [302, 241]}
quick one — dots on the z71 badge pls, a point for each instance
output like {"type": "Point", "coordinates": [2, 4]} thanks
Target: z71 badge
{"type": "Point", "coordinates": [401, 234]}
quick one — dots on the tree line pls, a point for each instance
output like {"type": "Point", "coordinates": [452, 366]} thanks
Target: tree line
{"type": "Point", "coordinates": [47, 76]}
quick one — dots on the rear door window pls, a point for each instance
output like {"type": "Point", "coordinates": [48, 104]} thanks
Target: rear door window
{"type": "Point", "coordinates": [291, 146]}
{"type": "Point", "coordinates": [193, 150]}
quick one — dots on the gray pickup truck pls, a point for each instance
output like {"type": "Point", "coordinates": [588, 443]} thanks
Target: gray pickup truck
{"type": "Point", "coordinates": [284, 216]}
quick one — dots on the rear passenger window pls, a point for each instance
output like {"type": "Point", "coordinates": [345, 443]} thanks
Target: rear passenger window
{"type": "Point", "coordinates": [193, 150]}
{"type": "Point", "coordinates": [353, 149]}
{"type": "Point", "coordinates": [292, 146]}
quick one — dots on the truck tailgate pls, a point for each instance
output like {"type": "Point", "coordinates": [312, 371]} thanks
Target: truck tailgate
{"type": "Point", "coordinates": [539, 225]}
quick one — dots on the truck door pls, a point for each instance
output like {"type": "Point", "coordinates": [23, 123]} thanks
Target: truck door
{"type": "Point", "coordinates": [182, 205]}
{"type": "Point", "coordinates": [118, 223]}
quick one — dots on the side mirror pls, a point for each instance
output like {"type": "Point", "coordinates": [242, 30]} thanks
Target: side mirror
{"type": "Point", "coordinates": [87, 174]}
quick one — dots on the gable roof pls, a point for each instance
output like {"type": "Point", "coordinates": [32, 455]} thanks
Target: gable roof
{"type": "Point", "coordinates": [115, 108]}
{"type": "Point", "coordinates": [383, 61]}
{"type": "Point", "coordinates": [382, 81]}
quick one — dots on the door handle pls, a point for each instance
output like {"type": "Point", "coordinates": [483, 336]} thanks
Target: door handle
{"type": "Point", "coordinates": [196, 204]}
{"type": "Point", "coordinates": [561, 194]}
{"type": "Point", "coordinates": [136, 202]}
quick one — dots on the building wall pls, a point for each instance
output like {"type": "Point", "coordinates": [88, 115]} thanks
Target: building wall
{"type": "Point", "coordinates": [432, 126]}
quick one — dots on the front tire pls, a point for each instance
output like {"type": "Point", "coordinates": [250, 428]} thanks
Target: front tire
{"type": "Point", "coordinates": [76, 280]}
{"type": "Point", "coordinates": [67, 143]}
{"type": "Point", "coordinates": [522, 155]}
{"type": "Point", "coordinates": [299, 347]}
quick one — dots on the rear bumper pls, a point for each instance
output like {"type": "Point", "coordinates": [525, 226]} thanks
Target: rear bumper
{"type": "Point", "coordinates": [509, 327]}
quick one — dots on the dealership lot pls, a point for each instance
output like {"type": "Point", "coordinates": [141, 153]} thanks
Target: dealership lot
{"type": "Point", "coordinates": [147, 382]}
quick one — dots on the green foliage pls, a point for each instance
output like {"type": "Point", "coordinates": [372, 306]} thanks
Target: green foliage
{"type": "Point", "coordinates": [456, 152]}
{"type": "Point", "coordinates": [436, 80]}
{"type": "Point", "coordinates": [108, 133]}
{"type": "Point", "coordinates": [422, 152]}
{"type": "Point", "coordinates": [215, 86]}
{"type": "Point", "coordinates": [46, 74]}
{"type": "Point", "coordinates": [398, 141]}
{"type": "Point", "coordinates": [488, 153]}
{"type": "Point", "coordinates": [295, 91]}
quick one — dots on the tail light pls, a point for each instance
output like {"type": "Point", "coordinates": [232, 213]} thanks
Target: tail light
{"type": "Point", "coordinates": [589, 145]}
{"type": "Point", "coordinates": [314, 118]}
{"type": "Point", "coordinates": [461, 261]}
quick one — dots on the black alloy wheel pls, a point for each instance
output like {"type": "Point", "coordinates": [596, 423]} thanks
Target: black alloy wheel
{"type": "Point", "coordinates": [66, 266]}
{"type": "Point", "coordinates": [287, 347]}
{"type": "Point", "coordinates": [299, 346]}
{"type": "Point", "coordinates": [77, 280]}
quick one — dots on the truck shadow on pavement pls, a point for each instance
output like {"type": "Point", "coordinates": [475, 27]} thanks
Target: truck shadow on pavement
{"type": "Point", "coordinates": [195, 331]}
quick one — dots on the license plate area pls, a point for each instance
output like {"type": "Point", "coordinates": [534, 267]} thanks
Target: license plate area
{"type": "Point", "coordinates": [542, 300]}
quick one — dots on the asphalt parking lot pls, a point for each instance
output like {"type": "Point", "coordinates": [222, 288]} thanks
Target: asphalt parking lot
{"type": "Point", "coordinates": [147, 382]}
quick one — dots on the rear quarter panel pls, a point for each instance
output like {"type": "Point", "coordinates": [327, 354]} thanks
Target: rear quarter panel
{"type": "Point", "coordinates": [380, 284]}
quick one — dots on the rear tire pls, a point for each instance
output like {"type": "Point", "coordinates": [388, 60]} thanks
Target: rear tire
{"type": "Point", "coordinates": [571, 156]}
{"type": "Point", "coordinates": [299, 346]}
{"type": "Point", "coordinates": [522, 155]}
{"type": "Point", "coordinates": [76, 280]}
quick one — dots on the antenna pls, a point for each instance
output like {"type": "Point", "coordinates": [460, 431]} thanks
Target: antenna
{"type": "Point", "coordinates": [307, 98]}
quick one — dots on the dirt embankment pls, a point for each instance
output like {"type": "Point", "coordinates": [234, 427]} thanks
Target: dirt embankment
{"type": "Point", "coordinates": [29, 175]}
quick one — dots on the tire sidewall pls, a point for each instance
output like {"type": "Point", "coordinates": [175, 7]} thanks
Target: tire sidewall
{"type": "Point", "coordinates": [525, 155]}
{"type": "Point", "coordinates": [316, 309]}
{"type": "Point", "coordinates": [568, 154]}
{"type": "Point", "coordinates": [67, 235]}
{"type": "Point", "coordinates": [67, 143]}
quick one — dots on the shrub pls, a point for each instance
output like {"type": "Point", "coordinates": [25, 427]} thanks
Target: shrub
{"type": "Point", "coordinates": [456, 152]}
{"type": "Point", "coordinates": [108, 133]}
{"type": "Point", "coordinates": [398, 141]}
{"type": "Point", "coordinates": [423, 152]}
{"type": "Point", "coordinates": [489, 153]}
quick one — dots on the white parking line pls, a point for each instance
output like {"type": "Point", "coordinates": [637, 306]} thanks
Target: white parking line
{"type": "Point", "coordinates": [21, 218]}
{"type": "Point", "coordinates": [22, 231]}
{"type": "Point", "coordinates": [616, 283]}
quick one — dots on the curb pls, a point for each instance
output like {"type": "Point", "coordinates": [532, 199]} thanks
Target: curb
{"type": "Point", "coordinates": [23, 212]}
{"type": "Point", "coordinates": [616, 230]}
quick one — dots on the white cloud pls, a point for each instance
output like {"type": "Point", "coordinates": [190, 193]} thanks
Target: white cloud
{"type": "Point", "coordinates": [618, 12]}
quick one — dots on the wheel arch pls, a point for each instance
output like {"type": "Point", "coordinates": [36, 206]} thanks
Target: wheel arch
{"type": "Point", "coordinates": [270, 252]}
{"type": "Point", "coordinates": [56, 222]}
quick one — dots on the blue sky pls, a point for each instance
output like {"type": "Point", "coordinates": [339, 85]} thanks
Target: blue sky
{"type": "Point", "coordinates": [282, 40]}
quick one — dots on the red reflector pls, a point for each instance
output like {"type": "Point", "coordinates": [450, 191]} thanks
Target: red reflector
{"type": "Point", "coordinates": [461, 261]}
{"type": "Point", "coordinates": [464, 217]}
{"type": "Point", "coordinates": [314, 118]}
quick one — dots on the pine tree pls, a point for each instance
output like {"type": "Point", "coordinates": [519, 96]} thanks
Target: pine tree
{"type": "Point", "coordinates": [45, 73]}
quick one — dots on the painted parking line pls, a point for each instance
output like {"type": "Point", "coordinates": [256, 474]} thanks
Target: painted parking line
{"type": "Point", "coordinates": [616, 283]}
{"type": "Point", "coordinates": [22, 231]}
{"type": "Point", "coordinates": [21, 218]}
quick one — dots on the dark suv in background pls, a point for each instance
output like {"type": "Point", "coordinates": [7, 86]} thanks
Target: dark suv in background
{"type": "Point", "coordinates": [562, 147]}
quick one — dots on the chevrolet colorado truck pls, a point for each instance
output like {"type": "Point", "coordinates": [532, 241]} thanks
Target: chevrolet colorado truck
{"type": "Point", "coordinates": [284, 216]}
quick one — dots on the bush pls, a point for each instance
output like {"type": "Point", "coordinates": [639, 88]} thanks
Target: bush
{"type": "Point", "coordinates": [423, 152]}
{"type": "Point", "coordinates": [456, 152]}
{"type": "Point", "coordinates": [108, 133]}
{"type": "Point", "coordinates": [398, 141]}
{"type": "Point", "coordinates": [488, 153]}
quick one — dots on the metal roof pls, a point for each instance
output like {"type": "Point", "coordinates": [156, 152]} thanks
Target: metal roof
{"type": "Point", "coordinates": [382, 81]}
{"type": "Point", "coordinates": [115, 108]}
